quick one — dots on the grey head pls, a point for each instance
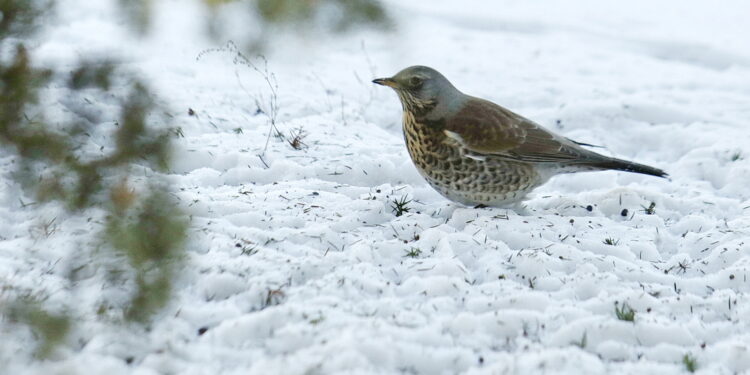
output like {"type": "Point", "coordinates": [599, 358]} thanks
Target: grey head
{"type": "Point", "coordinates": [425, 92]}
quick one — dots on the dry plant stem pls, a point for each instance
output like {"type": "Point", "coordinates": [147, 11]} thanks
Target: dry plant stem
{"type": "Point", "coordinates": [270, 79]}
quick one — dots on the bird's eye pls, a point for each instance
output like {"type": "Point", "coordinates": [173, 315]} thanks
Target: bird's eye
{"type": "Point", "coordinates": [415, 81]}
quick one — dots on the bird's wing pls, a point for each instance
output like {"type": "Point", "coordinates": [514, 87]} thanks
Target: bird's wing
{"type": "Point", "coordinates": [584, 144]}
{"type": "Point", "coordinates": [485, 128]}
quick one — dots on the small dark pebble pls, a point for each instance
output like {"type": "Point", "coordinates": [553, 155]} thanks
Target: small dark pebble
{"type": "Point", "coordinates": [129, 360]}
{"type": "Point", "coordinates": [377, 191]}
{"type": "Point", "coordinates": [315, 193]}
{"type": "Point", "coordinates": [624, 212]}
{"type": "Point", "coordinates": [191, 112]}
{"type": "Point", "coordinates": [648, 309]}
{"type": "Point", "coordinates": [731, 277]}
{"type": "Point", "coordinates": [589, 208]}
{"type": "Point", "coordinates": [202, 330]}
{"type": "Point", "coordinates": [572, 221]}
{"type": "Point", "coordinates": [237, 245]}
{"type": "Point", "coordinates": [481, 360]}
{"type": "Point", "coordinates": [703, 345]}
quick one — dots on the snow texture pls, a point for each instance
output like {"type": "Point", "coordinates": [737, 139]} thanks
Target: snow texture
{"type": "Point", "coordinates": [297, 263]}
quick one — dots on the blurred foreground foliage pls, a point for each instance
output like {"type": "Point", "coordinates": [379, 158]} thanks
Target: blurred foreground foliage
{"type": "Point", "coordinates": [49, 327]}
{"type": "Point", "coordinates": [302, 16]}
{"type": "Point", "coordinates": [57, 160]}
{"type": "Point", "coordinates": [342, 14]}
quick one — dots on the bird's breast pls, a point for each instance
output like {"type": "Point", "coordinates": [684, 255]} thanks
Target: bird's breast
{"type": "Point", "coordinates": [423, 137]}
{"type": "Point", "coordinates": [429, 148]}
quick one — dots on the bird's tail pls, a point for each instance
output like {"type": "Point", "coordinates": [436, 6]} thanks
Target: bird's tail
{"type": "Point", "coordinates": [627, 166]}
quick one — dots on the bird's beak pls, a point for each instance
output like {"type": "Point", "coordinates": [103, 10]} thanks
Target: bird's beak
{"type": "Point", "coordinates": [386, 82]}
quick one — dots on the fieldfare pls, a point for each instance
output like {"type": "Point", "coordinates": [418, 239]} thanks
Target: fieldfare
{"type": "Point", "coordinates": [476, 152]}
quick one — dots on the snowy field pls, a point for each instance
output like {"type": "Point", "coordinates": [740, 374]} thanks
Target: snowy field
{"type": "Point", "coordinates": [297, 263]}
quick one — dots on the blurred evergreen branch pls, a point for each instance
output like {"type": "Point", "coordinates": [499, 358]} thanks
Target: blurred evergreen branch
{"type": "Point", "coordinates": [145, 226]}
{"type": "Point", "coordinates": [138, 13]}
{"type": "Point", "coordinates": [20, 17]}
{"type": "Point", "coordinates": [331, 15]}
{"type": "Point", "coordinates": [150, 236]}
{"type": "Point", "coordinates": [50, 328]}
{"type": "Point", "coordinates": [341, 14]}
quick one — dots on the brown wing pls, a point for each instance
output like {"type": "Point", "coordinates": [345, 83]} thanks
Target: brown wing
{"type": "Point", "coordinates": [486, 128]}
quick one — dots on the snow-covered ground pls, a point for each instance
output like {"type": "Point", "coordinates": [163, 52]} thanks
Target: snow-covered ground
{"type": "Point", "coordinates": [297, 263]}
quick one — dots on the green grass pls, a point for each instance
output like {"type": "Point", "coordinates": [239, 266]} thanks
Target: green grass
{"type": "Point", "coordinates": [611, 241]}
{"type": "Point", "coordinates": [624, 312]}
{"type": "Point", "coordinates": [690, 364]}
{"type": "Point", "coordinates": [581, 343]}
{"type": "Point", "coordinates": [413, 253]}
{"type": "Point", "coordinates": [401, 206]}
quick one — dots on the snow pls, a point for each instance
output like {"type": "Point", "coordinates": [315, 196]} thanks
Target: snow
{"type": "Point", "coordinates": [301, 266]}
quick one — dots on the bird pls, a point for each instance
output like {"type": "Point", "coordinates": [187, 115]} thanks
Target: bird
{"type": "Point", "coordinates": [477, 153]}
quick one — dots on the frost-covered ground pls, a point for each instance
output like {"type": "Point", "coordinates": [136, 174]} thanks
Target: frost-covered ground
{"type": "Point", "coordinates": [301, 267]}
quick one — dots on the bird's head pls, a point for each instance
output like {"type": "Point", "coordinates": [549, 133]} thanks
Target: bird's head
{"type": "Point", "coordinates": [421, 89]}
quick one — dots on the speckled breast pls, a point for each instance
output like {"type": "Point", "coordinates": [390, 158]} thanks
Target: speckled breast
{"type": "Point", "coordinates": [442, 162]}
